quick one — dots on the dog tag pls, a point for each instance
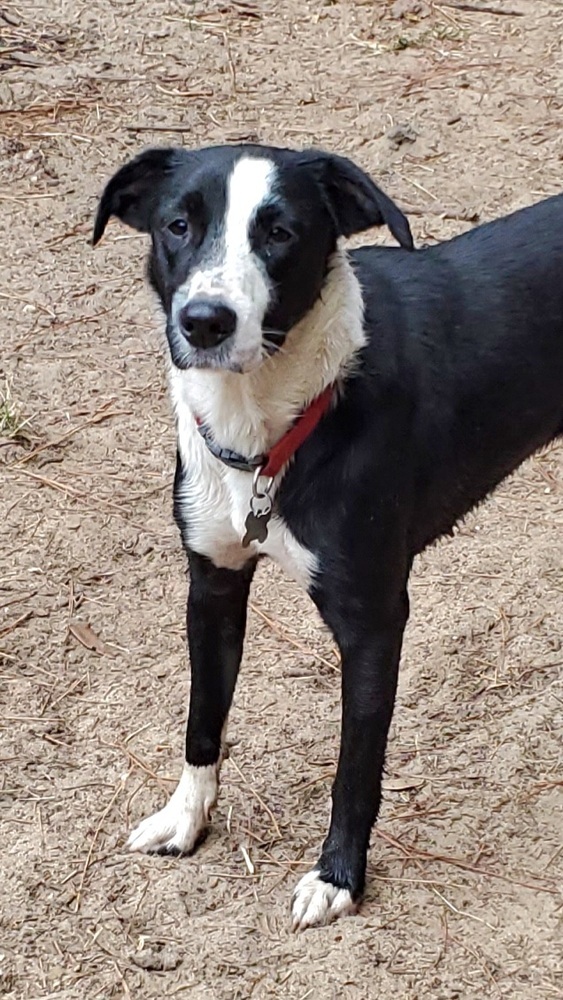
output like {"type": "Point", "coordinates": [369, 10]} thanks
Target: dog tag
{"type": "Point", "coordinates": [256, 523]}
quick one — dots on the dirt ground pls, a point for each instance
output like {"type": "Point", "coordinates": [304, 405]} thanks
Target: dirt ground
{"type": "Point", "coordinates": [459, 114]}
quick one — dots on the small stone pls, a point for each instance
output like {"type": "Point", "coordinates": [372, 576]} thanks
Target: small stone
{"type": "Point", "coordinates": [410, 10]}
{"type": "Point", "coordinates": [157, 959]}
{"type": "Point", "coordinates": [400, 134]}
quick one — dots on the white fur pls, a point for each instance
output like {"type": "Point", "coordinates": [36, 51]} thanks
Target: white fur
{"type": "Point", "coordinates": [177, 827]}
{"type": "Point", "coordinates": [316, 903]}
{"type": "Point", "coordinates": [234, 274]}
{"type": "Point", "coordinates": [250, 412]}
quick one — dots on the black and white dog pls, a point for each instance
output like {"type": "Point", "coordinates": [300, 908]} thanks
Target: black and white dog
{"type": "Point", "coordinates": [337, 412]}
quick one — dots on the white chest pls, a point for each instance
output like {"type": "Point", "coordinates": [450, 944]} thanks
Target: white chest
{"type": "Point", "coordinates": [215, 501]}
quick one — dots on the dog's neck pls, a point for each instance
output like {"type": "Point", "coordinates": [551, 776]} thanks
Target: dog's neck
{"type": "Point", "coordinates": [248, 413]}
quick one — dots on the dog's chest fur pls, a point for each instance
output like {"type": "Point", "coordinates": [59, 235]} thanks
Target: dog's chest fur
{"type": "Point", "coordinates": [214, 501]}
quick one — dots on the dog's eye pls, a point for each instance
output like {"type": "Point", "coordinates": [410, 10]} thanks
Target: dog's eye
{"type": "Point", "coordinates": [278, 235]}
{"type": "Point", "coordinates": [179, 227]}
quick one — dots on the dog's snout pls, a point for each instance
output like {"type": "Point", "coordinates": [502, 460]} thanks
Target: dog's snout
{"type": "Point", "coordinates": [207, 323]}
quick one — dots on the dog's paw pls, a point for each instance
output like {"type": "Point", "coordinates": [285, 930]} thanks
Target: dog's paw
{"type": "Point", "coordinates": [316, 902]}
{"type": "Point", "coordinates": [177, 828]}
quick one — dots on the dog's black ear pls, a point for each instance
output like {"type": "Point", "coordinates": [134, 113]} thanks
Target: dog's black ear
{"type": "Point", "coordinates": [133, 191]}
{"type": "Point", "coordinates": [356, 202]}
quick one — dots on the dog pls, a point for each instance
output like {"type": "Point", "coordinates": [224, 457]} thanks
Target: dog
{"type": "Point", "coordinates": [338, 412]}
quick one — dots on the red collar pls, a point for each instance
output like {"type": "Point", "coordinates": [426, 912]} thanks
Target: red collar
{"type": "Point", "coordinates": [273, 461]}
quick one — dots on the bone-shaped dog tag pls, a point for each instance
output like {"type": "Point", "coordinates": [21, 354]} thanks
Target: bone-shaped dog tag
{"type": "Point", "coordinates": [256, 523]}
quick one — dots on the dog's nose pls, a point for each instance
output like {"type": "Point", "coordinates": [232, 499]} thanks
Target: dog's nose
{"type": "Point", "coordinates": [207, 323]}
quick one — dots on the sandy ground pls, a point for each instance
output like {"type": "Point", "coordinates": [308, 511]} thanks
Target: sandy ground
{"type": "Point", "coordinates": [465, 872]}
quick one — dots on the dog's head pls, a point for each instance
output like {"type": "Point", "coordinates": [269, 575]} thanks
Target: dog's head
{"type": "Point", "coordinates": [241, 240]}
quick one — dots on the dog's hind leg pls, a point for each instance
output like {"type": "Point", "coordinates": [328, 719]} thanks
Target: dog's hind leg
{"type": "Point", "coordinates": [217, 606]}
{"type": "Point", "coordinates": [370, 661]}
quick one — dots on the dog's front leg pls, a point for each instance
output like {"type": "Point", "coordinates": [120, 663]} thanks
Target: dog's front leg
{"type": "Point", "coordinates": [370, 660]}
{"type": "Point", "coordinates": [216, 625]}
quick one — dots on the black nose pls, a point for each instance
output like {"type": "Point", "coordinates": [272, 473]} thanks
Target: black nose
{"type": "Point", "coordinates": [207, 322]}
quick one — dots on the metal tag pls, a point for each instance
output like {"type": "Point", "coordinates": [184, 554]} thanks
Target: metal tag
{"type": "Point", "coordinates": [256, 527]}
{"type": "Point", "coordinates": [260, 512]}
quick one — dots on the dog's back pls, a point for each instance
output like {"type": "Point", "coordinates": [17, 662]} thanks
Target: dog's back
{"type": "Point", "coordinates": [472, 329]}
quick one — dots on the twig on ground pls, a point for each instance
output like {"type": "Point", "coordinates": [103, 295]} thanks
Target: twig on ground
{"type": "Point", "coordinates": [258, 798]}
{"type": "Point", "coordinates": [288, 638]}
{"type": "Point", "coordinates": [93, 843]}
{"type": "Point", "coordinates": [416, 854]}
{"type": "Point", "coordinates": [472, 8]}
{"type": "Point", "coordinates": [103, 414]}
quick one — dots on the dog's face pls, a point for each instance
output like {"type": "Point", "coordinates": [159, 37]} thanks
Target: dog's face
{"type": "Point", "coordinates": [241, 240]}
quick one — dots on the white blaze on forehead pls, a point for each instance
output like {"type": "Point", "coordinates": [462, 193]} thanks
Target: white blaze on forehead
{"type": "Point", "coordinates": [232, 272]}
{"type": "Point", "coordinates": [249, 185]}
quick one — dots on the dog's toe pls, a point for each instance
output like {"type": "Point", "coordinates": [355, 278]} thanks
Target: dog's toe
{"type": "Point", "coordinates": [316, 902]}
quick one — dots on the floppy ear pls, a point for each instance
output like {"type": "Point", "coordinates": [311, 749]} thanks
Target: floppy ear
{"type": "Point", "coordinates": [133, 191]}
{"type": "Point", "coordinates": [357, 203]}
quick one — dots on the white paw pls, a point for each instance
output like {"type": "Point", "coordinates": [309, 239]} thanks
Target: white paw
{"type": "Point", "coordinates": [177, 828]}
{"type": "Point", "coordinates": [316, 903]}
